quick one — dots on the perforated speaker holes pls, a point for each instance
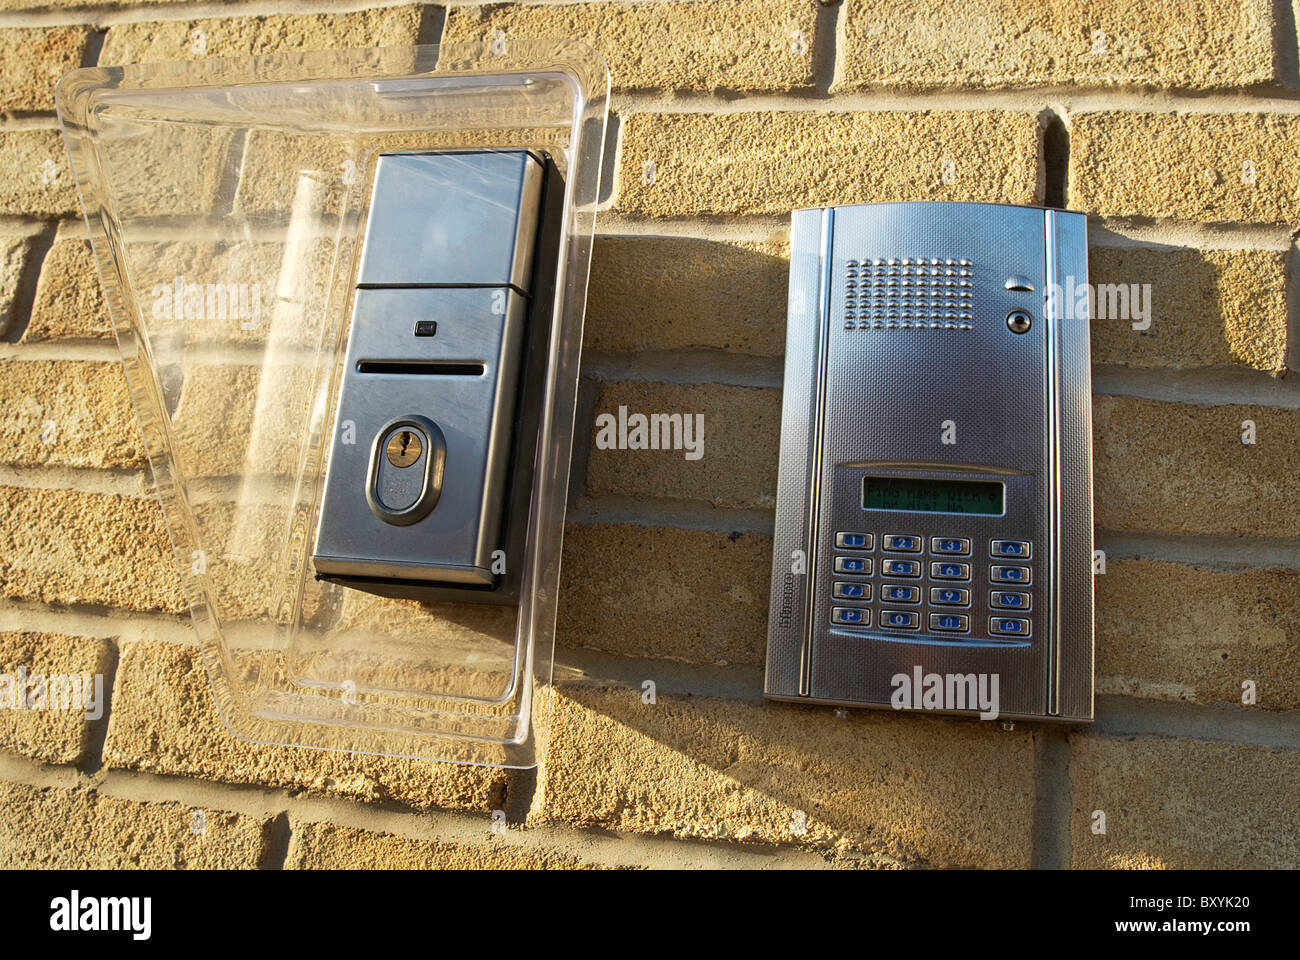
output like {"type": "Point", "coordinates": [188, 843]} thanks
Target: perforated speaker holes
{"type": "Point", "coordinates": [911, 293]}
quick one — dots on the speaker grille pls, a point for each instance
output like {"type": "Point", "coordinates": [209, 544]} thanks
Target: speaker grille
{"type": "Point", "coordinates": [909, 293]}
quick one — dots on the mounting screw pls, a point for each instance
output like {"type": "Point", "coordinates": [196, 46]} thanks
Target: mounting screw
{"type": "Point", "coordinates": [1018, 321]}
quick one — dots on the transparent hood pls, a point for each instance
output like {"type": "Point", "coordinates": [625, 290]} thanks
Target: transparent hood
{"type": "Point", "coordinates": [283, 244]}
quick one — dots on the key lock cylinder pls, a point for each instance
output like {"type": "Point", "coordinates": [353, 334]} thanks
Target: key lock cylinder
{"type": "Point", "coordinates": [428, 483]}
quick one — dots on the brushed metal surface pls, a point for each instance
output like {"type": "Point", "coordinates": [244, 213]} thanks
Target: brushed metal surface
{"type": "Point", "coordinates": [449, 238]}
{"type": "Point", "coordinates": [475, 413]}
{"type": "Point", "coordinates": [453, 218]}
{"type": "Point", "coordinates": [892, 386]}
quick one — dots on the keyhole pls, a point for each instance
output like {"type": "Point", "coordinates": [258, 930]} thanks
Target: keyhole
{"type": "Point", "coordinates": [403, 448]}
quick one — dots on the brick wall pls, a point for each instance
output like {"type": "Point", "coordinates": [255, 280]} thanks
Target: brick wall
{"type": "Point", "coordinates": [1174, 125]}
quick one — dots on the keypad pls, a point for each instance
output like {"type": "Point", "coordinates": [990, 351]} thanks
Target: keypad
{"type": "Point", "coordinates": [843, 590]}
{"type": "Point", "coordinates": [1009, 626]}
{"type": "Point", "coordinates": [1006, 574]}
{"type": "Point", "coordinates": [950, 622]}
{"type": "Point", "coordinates": [1008, 600]}
{"type": "Point", "coordinates": [952, 546]}
{"type": "Point", "coordinates": [898, 593]}
{"type": "Point", "coordinates": [900, 568]}
{"type": "Point", "coordinates": [858, 565]}
{"type": "Point", "coordinates": [943, 580]}
{"type": "Point", "coordinates": [1016, 549]}
{"type": "Point", "coordinates": [899, 619]}
{"type": "Point", "coordinates": [950, 596]}
{"type": "Point", "coordinates": [948, 570]}
{"type": "Point", "coordinates": [855, 616]}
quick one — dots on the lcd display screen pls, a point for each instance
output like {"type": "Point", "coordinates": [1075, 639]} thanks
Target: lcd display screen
{"type": "Point", "coordinates": [932, 496]}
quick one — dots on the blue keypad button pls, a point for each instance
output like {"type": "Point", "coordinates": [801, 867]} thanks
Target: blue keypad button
{"type": "Point", "coordinates": [901, 568]}
{"type": "Point", "coordinates": [956, 546]}
{"type": "Point", "coordinates": [1001, 574]}
{"type": "Point", "coordinates": [1008, 601]}
{"type": "Point", "coordinates": [853, 541]}
{"type": "Point", "coordinates": [851, 616]}
{"type": "Point", "coordinates": [844, 590]}
{"type": "Point", "coordinates": [949, 622]}
{"type": "Point", "coordinates": [899, 619]}
{"type": "Point", "coordinates": [897, 593]}
{"type": "Point", "coordinates": [1009, 626]}
{"type": "Point", "coordinates": [902, 543]}
{"type": "Point", "coordinates": [950, 571]}
{"type": "Point", "coordinates": [1018, 549]}
{"type": "Point", "coordinates": [860, 565]}
{"type": "Point", "coordinates": [950, 596]}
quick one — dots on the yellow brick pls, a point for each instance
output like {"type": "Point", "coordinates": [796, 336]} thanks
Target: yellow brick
{"type": "Point", "coordinates": [326, 846]}
{"type": "Point", "coordinates": [766, 45]}
{"type": "Point", "coordinates": [164, 721]}
{"type": "Point", "coordinates": [65, 547]}
{"type": "Point", "coordinates": [51, 828]}
{"type": "Point", "coordinates": [447, 635]}
{"type": "Point", "coordinates": [318, 172]}
{"type": "Point", "coordinates": [774, 161]}
{"type": "Point", "coordinates": [742, 427]}
{"type": "Point", "coordinates": [1183, 804]}
{"type": "Point", "coordinates": [55, 734]}
{"type": "Point", "coordinates": [1207, 307]}
{"type": "Point", "coordinates": [68, 413]}
{"type": "Point", "coordinates": [674, 293]}
{"type": "Point", "coordinates": [232, 420]}
{"type": "Point", "coordinates": [1197, 44]}
{"type": "Point", "coordinates": [37, 182]}
{"type": "Point", "coordinates": [1153, 641]}
{"type": "Point", "coordinates": [69, 299]}
{"type": "Point", "coordinates": [65, 4]}
{"type": "Point", "coordinates": [248, 36]}
{"type": "Point", "coordinates": [1178, 468]}
{"type": "Point", "coordinates": [906, 787]}
{"type": "Point", "coordinates": [695, 595]}
{"type": "Point", "coordinates": [1204, 167]}
{"type": "Point", "coordinates": [156, 170]}
{"type": "Point", "coordinates": [242, 546]}
{"type": "Point", "coordinates": [14, 252]}
{"type": "Point", "coordinates": [247, 291]}
{"type": "Point", "coordinates": [328, 171]}
{"type": "Point", "coordinates": [33, 60]}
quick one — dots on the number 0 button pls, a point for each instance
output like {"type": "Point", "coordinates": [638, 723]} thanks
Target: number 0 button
{"type": "Point", "coordinates": [899, 619]}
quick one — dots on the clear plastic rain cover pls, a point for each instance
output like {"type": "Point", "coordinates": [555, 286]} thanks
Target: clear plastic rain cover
{"type": "Point", "coordinates": [227, 203]}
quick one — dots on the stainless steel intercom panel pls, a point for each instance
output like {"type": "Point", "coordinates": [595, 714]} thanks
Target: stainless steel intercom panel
{"type": "Point", "coordinates": [934, 504]}
{"type": "Point", "coordinates": [433, 445]}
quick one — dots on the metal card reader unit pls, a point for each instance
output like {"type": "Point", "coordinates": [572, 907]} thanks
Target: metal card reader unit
{"type": "Point", "coordinates": [430, 461]}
